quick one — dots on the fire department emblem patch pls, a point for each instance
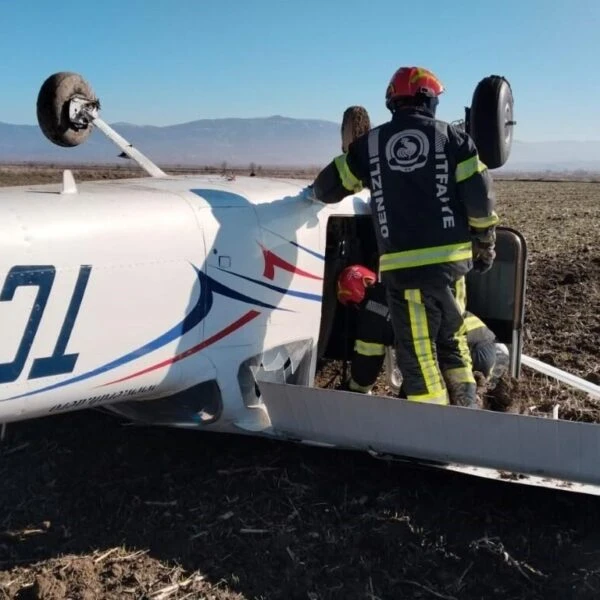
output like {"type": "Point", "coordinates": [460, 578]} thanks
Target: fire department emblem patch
{"type": "Point", "coordinates": [407, 150]}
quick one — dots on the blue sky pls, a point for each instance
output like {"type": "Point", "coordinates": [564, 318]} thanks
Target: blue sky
{"type": "Point", "coordinates": [163, 62]}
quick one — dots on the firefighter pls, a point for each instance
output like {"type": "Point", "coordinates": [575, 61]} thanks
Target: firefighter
{"type": "Point", "coordinates": [433, 211]}
{"type": "Point", "coordinates": [358, 286]}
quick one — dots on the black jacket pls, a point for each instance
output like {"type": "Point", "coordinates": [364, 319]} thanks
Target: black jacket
{"type": "Point", "coordinates": [428, 191]}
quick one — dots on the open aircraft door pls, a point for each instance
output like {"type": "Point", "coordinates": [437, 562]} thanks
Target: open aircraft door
{"type": "Point", "coordinates": [498, 296]}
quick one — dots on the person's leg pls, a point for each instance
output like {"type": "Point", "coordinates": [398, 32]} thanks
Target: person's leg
{"type": "Point", "coordinates": [483, 357]}
{"type": "Point", "coordinates": [369, 350]}
{"type": "Point", "coordinates": [416, 321]}
{"type": "Point", "coordinates": [367, 361]}
{"type": "Point", "coordinates": [453, 351]}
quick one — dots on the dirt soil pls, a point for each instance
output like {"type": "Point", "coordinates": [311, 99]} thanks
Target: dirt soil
{"type": "Point", "coordinates": [91, 508]}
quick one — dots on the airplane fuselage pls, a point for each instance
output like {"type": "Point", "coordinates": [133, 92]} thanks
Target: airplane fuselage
{"type": "Point", "coordinates": [127, 292]}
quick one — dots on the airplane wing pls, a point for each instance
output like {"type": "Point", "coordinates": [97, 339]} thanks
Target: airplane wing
{"type": "Point", "coordinates": [476, 442]}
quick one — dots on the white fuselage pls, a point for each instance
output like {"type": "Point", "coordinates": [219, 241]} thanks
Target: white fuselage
{"type": "Point", "coordinates": [141, 289]}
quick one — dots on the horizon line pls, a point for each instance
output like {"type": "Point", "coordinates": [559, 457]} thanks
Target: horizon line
{"type": "Point", "coordinates": [129, 123]}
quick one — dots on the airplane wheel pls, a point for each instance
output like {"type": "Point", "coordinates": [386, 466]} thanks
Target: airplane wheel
{"type": "Point", "coordinates": [53, 108]}
{"type": "Point", "coordinates": [355, 123]}
{"type": "Point", "coordinates": [491, 120]}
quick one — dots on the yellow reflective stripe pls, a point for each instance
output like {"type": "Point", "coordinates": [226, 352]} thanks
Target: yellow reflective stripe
{"type": "Point", "coordinates": [459, 375]}
{"type": "Point", "coordinates": [461, 294]}
{"type": "Point", "coordinates": [426, 256]}
{"type": "Point", "coordinates": [484, 222]}
{"type": "Point", "coordinates": [355, 387]}
{"type": "Point", "coordinates": [461, 334]}
{"type": "Point", "coordinates": [463, 349]}
{"type": "Point", "coordinates": [422, 343]}
{"type": "Point", "coordinates": [368, 348]}
{"type": "Point", "coordinates": [439, 398]}
{"type": "Point", "coordinates": [349, 181]}
{"type": "Point", "coordinates": [472, 322]}
{"type": "Point", "coordinates": [468, 168]}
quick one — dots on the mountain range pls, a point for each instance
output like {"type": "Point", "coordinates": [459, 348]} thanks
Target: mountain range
{"type": "Point", "coordinates": [275, 141]}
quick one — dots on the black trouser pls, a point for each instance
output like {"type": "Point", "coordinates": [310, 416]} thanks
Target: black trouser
{"type": "Point", "coordinates": [431, 344]}
{"type": "Point", "coordinates": [373, 333]}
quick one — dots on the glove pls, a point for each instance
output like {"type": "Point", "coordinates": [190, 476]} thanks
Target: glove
{"type": "Point", "coordinates": [483, 257]}
{"type": "Point", "coordinates": [484, 251]}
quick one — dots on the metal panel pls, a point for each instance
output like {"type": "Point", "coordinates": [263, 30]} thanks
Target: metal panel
{"type": "Point", "coordinates": [498, 296]}
{"type": "Point", "coordinates": [524, 444]}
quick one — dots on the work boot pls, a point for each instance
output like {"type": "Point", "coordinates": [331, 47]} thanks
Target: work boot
{"type": "Point", "coordinates": [463, 394]}
{"type": "Point", "coordinates": [342, 386]}
{"type": "Point", "coordinates": [350, 386]}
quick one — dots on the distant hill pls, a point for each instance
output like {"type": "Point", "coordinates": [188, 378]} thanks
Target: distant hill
{"type": "Point", "coordinates": [560, 155]}
{"type": "Point", "coordinates": [270, 141]}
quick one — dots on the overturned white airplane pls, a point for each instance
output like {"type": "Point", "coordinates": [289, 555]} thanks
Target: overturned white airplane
{"type": "Point", "coordinates": [206, 303]}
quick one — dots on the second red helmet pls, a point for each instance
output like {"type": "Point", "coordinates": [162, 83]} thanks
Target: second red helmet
{"type": "Point", "coordinates": [352, 282]}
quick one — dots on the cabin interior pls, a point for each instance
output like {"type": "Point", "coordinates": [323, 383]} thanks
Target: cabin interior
{"type": "Point", "coordinates": [350, 240]}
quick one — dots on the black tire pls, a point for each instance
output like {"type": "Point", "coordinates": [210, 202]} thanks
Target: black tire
{"type": "Point", "coordinates": [491, 120]}
{"type": "Point", "coordinates": [53, 108]}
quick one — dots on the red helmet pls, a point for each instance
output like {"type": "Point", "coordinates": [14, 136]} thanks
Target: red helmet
{"type": "Point", "coordinates": [352, 283]}
{"type": "Point", "coordinates": [410, 81]}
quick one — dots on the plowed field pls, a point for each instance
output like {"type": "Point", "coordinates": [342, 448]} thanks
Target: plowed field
{"type": "Point", "coordinates": [93, 509]}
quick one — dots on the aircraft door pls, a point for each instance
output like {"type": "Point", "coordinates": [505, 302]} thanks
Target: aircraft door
{"type": "Point", "coordinates": [234, 266]}
{"type": "Point", "coordinates": [498, 296]}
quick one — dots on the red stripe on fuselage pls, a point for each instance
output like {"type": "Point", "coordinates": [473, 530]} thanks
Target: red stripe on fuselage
{"type": "Point", "coordinates": [249, 316]}
{"type": "Point", "coordinates": [272, 261]}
